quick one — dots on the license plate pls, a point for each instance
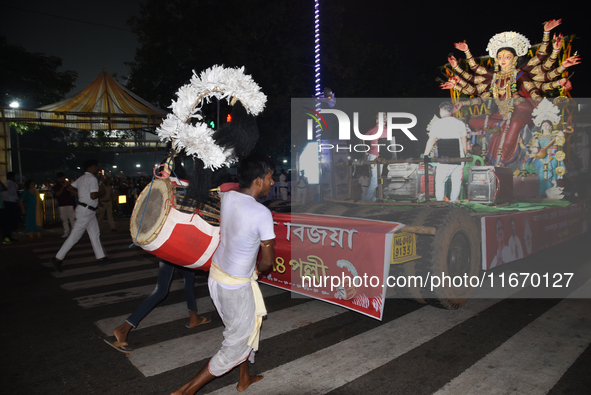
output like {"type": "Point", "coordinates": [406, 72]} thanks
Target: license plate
{"type": "Point", "coordinates": [404, 248]}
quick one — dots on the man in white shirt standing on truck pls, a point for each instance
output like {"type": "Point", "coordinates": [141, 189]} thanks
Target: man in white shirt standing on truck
{"type": "Point", "coordinates": [445, 128]}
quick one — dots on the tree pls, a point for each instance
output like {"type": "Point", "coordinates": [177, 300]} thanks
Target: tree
{"type": "Point", "coordinates": [32, 78]}
{"type": "Point", "coordinates": [275, 43]}
{"type": "Point", "coordinates": [271, 39]}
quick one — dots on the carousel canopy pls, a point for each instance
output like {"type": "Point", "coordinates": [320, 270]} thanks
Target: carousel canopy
{"type": "Point", "coordinates": [102, 105]}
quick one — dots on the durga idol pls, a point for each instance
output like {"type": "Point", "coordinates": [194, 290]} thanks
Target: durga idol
{"type": "Point", "coordinates": [516, 90]}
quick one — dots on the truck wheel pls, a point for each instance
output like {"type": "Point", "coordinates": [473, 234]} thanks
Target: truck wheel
{"type": "Point", "coordinates": [415, 217]}
{"type": "Point", "coordinates": [453, 252]}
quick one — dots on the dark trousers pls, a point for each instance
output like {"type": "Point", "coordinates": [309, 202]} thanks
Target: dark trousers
{"type": "Point", "coordinates": [165, 272]}
{"type": "Point", "coordinates": [4, 225]}
{"type": "Point", "coordinates": [13, 213]}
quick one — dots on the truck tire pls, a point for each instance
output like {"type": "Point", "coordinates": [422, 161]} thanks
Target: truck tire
{"type": "Point", "coordinates": [453, 252]}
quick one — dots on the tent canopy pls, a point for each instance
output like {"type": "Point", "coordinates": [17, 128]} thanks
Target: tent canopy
{"type": "Point", "coordinates": [102, 105]}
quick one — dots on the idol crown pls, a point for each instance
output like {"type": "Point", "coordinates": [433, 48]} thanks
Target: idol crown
{"type": "Point", "coordinates": [514, 40]}
{"type": "Point", "coordinates": [546, 111]}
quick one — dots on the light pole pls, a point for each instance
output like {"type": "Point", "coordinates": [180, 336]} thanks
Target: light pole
{"type": "Point", "coordinates": [14, 104]}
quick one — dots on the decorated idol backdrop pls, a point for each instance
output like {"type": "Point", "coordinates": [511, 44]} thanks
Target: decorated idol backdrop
{"type": "Point", "coordinates": [503, 100]}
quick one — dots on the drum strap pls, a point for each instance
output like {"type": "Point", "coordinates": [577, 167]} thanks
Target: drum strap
{"type": "Point", "coordinates": [260, 311]}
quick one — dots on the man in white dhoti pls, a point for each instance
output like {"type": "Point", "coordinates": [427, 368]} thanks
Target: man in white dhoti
{"type": "Point", "coordinates": [246, 226]}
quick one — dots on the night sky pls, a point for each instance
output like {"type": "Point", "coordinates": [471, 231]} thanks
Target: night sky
{"type": "Point", "coordinates": [87, 35]}
{"type": "Point", "coordinates": [92, 35]}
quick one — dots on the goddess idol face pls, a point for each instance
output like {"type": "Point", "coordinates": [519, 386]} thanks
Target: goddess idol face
{"type": "Point", "coordinates": [505, 60]}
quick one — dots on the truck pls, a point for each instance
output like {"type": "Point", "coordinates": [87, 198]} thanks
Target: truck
{"type": "Point", "coordinates": [433, 252]}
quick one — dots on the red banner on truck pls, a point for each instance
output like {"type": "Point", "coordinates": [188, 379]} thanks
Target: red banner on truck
{"type": "Point", "coordinates": [344, 261]}
{"type": "Point", "coordinates": [509, 237]}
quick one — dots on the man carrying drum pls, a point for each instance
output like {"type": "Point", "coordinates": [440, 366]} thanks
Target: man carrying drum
{"type": "Point", "coordinates": [246, 226]}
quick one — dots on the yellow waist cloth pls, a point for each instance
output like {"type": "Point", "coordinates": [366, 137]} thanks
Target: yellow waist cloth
{"type": "Point", "coordinates": [260, 311]}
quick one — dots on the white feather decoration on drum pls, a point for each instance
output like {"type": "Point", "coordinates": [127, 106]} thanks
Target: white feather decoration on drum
{"type": "Point", "coordinates": [197, 140]}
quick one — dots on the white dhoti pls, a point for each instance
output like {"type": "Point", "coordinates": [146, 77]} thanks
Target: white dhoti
{"type": "Point", "coordinates": [241, 313]}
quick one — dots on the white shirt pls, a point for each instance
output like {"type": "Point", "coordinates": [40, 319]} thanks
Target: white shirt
{"type": "Point", "coordinates": [85, 186]}
{"type": "Point", "coordinates": [10, 195]}
{"type": "Point", "coordinates": [449, 128]}
{"type": "Point", "coordinates": [303, 182]}
{"type": "Point", "coordinates": [244, 222]}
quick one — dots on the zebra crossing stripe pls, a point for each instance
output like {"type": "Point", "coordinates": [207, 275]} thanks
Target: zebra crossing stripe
{"type": "Point", "coordinates": [72, 261]}
{"type": "Point", "coordinates": [122, 295]}
{"type": "Point", "coordinates": [335, 366]}
{"type": "Point", "coordinates": [79, 248]}
{"type": "Point", "coordinates": [532, 361]}
{"type": "Point", "coordinates": [172, 354]}
{"type": "Point", "coordinates": [110, 280]}
{"type": "Point", "coordinates": [177, 311]}
{"type": "Point", "coordinates": [95, 268]}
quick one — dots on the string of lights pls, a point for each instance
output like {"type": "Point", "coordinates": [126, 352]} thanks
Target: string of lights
{"type": "Point", "coordinates": [317, 93]}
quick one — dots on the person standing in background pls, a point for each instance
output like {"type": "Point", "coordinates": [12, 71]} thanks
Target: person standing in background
{"type": "Point", "coordinates": [4, 227]}
{"type": "Point", "coordinates": [374, 134]}
{"type": "Point", "coordinates": [302, 188]}
{"type": "Point", "coordinates": [32, 207]}
{"type": "Point", "coordinates": [10, 197]}
{"type": "Point", "coordinates": [65, 203]}
{"type": "Point", "coordinates": [364, 180]}
{"type": "Point", "coordinates": [283, 184]}
{"type": "Point", "coordinates": [106, 203]}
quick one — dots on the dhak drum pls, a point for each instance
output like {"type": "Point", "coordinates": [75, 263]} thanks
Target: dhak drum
{"type": "Point", "coordinates": [179, 234]}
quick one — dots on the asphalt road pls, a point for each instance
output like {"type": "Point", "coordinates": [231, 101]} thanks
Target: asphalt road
{"type": "Point", "coordinates": [53, 326]}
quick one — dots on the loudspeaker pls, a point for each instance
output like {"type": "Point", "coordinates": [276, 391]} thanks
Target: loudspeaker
{"type": "Point", "coordinates": [490, 185]}
{"type": "Point", "coordinates": [407, 181]}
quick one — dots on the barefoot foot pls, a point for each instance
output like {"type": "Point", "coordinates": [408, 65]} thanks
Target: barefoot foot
{"type": "Point", "coordinates": [251, 379]}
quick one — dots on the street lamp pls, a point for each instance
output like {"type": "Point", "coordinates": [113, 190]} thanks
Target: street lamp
{"type": "Point", "coordinates": [15, 104]}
